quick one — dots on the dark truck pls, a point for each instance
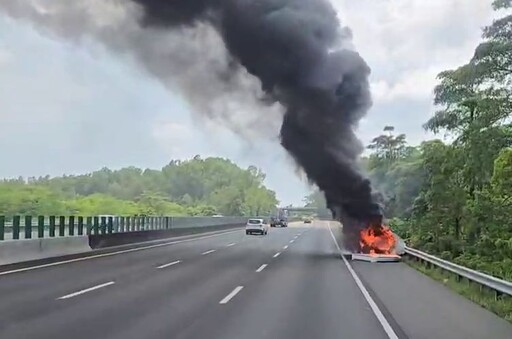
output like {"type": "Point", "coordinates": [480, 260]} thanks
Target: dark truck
{"type": "Point", "coordinates": [281, 220]}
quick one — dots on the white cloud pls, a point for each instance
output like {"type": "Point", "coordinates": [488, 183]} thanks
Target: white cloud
{"type": "Point", "coordinates": [415, 32]}
{"type": "Point", "coordinates": [407, 43]}
{"type": "Point", "coordinates": [174, 138]}
{"type": "Point", "coordinates": [416, 85]}
{"type": "Point", "coordinates": [5, 57]}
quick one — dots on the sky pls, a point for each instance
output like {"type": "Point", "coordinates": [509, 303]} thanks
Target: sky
{"type": "Point", "coordinates": [71, 108]}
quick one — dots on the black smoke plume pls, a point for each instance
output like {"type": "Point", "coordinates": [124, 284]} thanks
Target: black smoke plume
{"type": "Point", "coordinates": [297, 49]}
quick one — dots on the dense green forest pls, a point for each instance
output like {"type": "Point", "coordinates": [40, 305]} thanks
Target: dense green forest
{"type": "Point", "coordinates": [455, 199]}
{"type": "Point", "coordinates": [193, 187]}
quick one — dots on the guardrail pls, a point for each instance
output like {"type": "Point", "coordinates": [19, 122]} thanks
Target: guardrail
{"type": "Point", "coordinates": [500, 286]}
{"type": "Point", "coordinates": [28, 227]}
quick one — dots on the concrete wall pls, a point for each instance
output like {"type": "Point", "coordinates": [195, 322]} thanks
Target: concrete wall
{"type": "Point", "coordinates": [13, 251]}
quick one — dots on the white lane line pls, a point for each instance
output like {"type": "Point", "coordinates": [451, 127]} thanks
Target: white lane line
{"type": "Point", "coordinates": [383, 321]}
{"type": "Point", "coordinates": [262, 267]}
{"type": "Point", "coordinates": [277, 254]}
{"type": "Point", "coordinates": [113, 253]}
{"type": "Point", "coordinates": [291, 241]}
{"type": "Point", "coordinates": [232, 244]}
{"type": "Point", "coordinates": [231, 295]}
{"type": "Point", "coordinates": [86, 290]}
{"type": "Point", "coordinates": [208, 252]}
{"type": "Point", "coordinates": [285, 247]}
{"type": "Point", "coordinates": [169, 264]}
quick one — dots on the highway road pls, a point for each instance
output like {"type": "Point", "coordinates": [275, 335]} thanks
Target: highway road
{"type": "Point", "coordinates": [291, 283]}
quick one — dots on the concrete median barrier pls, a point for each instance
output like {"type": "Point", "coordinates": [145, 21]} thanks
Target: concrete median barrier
{"type": "Point", "coordinates": [15, 251]}
{"type": "Point", "coordinates": [117, 239]}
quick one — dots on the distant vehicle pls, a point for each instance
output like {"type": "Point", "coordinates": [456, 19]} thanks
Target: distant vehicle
{"type": "Point", "coordinates": [307, 220]}
{"type": "Point", "coordinates": [217, 216]}
{"type": "Point", "coordinates": [278, 222]}
{"type": "Point", "coordinates": [281, 220]}
{"type": "Point", "coordinates": [256, 226]}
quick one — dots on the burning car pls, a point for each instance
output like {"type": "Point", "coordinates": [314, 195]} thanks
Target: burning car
{"type": "Point", "coordinates": [378, 244]}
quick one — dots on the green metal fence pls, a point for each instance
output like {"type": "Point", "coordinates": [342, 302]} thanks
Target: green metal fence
{"type": "Point", "coordinates": [29, 227]}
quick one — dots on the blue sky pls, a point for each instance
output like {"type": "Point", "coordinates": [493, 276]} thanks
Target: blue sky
{"type": "Point", "coordinates": [72, 108]}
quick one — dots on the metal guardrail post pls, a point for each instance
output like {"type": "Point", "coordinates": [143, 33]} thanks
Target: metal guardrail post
{"type": "Point", "coordinates": [89, 225]}
{"type": "Point", "coordinates": [110, 225]}
{"type": "Point", "coordinates": [28, 227]}
{"type": "Point", "coordinates": [121, 224]}
{"type": "Point", "coordinates": [80, 224]}
{"type": "Point", "coordinates": [103, 225]}
{"type": "Point", "coordinates": [16, 227]}
{"type": "Point", "coordinates": [40, 226]}
{"type": "Point", "coordinates": [71, 224]}
{"type": "Point", "coordinates": [142, 225]}
{"type": "Point", "coordinates": [2, 227]}
{"type": "Point", "coordinates": [52, 226]}
{"type": "Point", "coordinates": [62, 226]}
{"type": "Point", "coordinates": [96, 225]}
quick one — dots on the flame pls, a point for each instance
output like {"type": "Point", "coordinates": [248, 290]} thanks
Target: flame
{"type": "Point", "coordinates": [377, 239]}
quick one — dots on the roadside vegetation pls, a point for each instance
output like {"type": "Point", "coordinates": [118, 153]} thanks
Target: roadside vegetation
{"type": "Point", "coordinates": [454, 199]}
{"type": "Point", "coordinates": [195, 187]}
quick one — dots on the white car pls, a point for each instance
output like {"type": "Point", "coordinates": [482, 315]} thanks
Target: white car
{"type": "Point", "coordinates": [256, 226]}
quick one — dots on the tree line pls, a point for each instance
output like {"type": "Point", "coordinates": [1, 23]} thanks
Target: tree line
{"type": "Point", "coordinates": [192, 187]}
{"type": "Point", "coordinates": [455, 199]}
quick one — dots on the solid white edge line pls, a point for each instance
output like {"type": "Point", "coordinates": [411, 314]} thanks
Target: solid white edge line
{"type": "Point", "coordinates": [231, 295]}
{"type": "Point", "coordinates": [232, 244]}
{"type": "Point", "coordinates": [277, 254]}
{"type": "Point", "coordinates": [112, 253]}
{"type": "Point", "coordinates": [208, 252]}
{"type": "Point", "coordinates": [67, 296]}
{"type": "Point", "coordinates": [285, 247]}
{"type": "Point", "coordinates": [261, 268]}
{"type": "Point", "coordinates": [169, 264]}
{"type": "Point", "coordinates": [380, 317]}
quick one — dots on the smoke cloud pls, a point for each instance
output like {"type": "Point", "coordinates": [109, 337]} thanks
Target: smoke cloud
{"type": "Point", "coordinates": [247, 63]}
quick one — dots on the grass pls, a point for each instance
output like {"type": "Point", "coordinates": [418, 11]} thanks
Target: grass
{"type": "Point", "coordinates": [501, 305]}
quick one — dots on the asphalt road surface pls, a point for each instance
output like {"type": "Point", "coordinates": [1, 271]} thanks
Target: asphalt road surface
{"type": "Point", "coordinates": [291, 283]}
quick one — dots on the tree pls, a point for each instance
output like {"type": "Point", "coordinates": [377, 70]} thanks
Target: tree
{"type": "Point", "coordinates": [20, 198]}
{"type": "Point", "coordinates": [102, 204]}
{"type": "Point", "coordinates": [315, 199]}
{"type": "Point", "coordinates": [197, 186]}
{"type": "Point", "coordinates": [395, 171]}
{"type": "Point", "coordinates": [463, 209]}
{"type": "Point", "coordinates": [388, 147]}
{"type": "Point", "coordinates": [260, 201]}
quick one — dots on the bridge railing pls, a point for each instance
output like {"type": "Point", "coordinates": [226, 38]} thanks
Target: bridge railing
{"type": "Point", "coordinates": [499, 286]}
{"type": "Point", "coordinates": [28, 227]}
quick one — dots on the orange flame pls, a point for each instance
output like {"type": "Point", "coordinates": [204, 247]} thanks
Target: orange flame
{"type": "Point", "coordinates": [377, 239]}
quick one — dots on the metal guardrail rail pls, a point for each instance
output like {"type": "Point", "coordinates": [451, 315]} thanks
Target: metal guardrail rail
{"type": "Point", "coordinates": [488, 281]}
